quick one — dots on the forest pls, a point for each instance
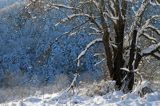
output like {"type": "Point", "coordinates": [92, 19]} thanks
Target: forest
{"type": "Point", "coordinates": [79, 52]}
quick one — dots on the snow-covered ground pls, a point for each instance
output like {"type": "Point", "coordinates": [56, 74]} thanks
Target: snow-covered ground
{"type": "Point", "coordinates": [64, 98]}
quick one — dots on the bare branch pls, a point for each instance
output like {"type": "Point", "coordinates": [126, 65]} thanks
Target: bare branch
{"type": "Point", "coordinates": [76, 27]}
{"type": "Point", "coordinates": [96, 4]}
{"type": "Point", "coordinates": [57, 6]}
{"type": "Point", "coordinates": [70, 17]}
{"type": "Point", "coordinates": [147, 24]}
{"type": "Point", "coordinates": [86, 48]}
{"type": "Point", "coordinates": [154, 29]}
{"type": "Point", "coordinates": [100, 62]}
{"type": "Point", "coordinates": [125, 69]}
{"type": "Point", "coordinates": [150, 50]}
{"type": "Point", "coordinates": [155, 2]}
{"type": "Point", "coordinates": [99, 54]}
{"type": "Point", "coordinates": [156, 55]}
{"type": "Point", "coordinates": [73, 84]}
{"type": "Point", "coordinates": [149, 37]}
{"type": "Point", "coordinates": [110, 16]}
{"type": "Point", "coordinates": [66, 33]}
{"type": "Point", "coordinates": [138, 16]}
{"type": "Point", "coordinates": [91, 1]}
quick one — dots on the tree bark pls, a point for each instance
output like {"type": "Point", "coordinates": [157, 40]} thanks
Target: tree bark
{"type": "Point", "coordinates": [118, 54]}
{"type": "Point", "coordinates": [132, 58]}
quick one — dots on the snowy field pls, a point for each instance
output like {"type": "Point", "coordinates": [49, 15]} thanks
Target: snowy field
{"type": "Point", "coordinates": [90, 95]}
{"type": "Point", "coordinates": [87, 95]}
{"type": "Point", "coordinates": [110, 99]}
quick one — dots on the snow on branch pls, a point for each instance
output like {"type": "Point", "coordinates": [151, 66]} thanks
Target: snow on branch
{"type": "Point", "coordinates": [57, 6]}
{"type": "Point", "coordinates": [112, 6]}
{"type": "Point", "coordinates": [110, 16]}
{"type": "Point", "coordinates": [147, 25]}
{"type": "Point", "coordinates": [90, 1]}
{"type": "Point", "coordinates": [70, 17]}
{"type": "Point", "coordinates": [154, 3]}
{"type": "Point", "coordinates": [73, 83]}
{"type": "Point", "coordinates": [100, 62]}
{"type": "Point", "coordinates": [142, 8]}
{"type": "Point", "coordinates": [149, 37]}
{"type": "Point", "coordinates": [95, 29]}
{"type": "Point", "coordinates": [151, 49]}
{"type": "Point", "coordinates": [125, 69]}
{"type": "Point", "coordinates": [95, 3]}
{"type": "Point", "coordinates": [154, 29]}
{"type": "Point", "coordinates": [149, 20]}
{"type": "Point", "coordinates": [72, 31]}
{"type": "Point", "coordinates": [138, 15]}
{"type": "Point", "coordinates": [99, 54]}
{"type": "Point", "coordinates": [136, 71]}
{"type": "Point", "coordinates": [86, 48]}
{"type": "Point", "coordinates": [156, 55]}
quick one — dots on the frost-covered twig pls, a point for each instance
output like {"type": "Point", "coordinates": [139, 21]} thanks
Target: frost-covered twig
{"type": "Point", "coordinates": [86, 48]}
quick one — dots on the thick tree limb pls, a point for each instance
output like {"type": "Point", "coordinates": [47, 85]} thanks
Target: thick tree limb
{"type": "Point", "coordinates": [106, 39]}
{"type": "Point", "coordinates": [132, 50]}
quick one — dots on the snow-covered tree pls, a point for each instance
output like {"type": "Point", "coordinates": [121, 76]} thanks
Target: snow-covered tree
{"type": "Point", "coordinates": [119, 25]}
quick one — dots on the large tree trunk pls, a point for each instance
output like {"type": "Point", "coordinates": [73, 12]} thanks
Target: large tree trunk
{"type": "Point", "coordinates": [115, 59]}
{"type": "Point", "coordinates": [118, 53]}
{"type": "Point", "coordinates": [124, 80]}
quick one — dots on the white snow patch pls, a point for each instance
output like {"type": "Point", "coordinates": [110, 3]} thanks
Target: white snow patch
{"type": "Point", "coordinates": [115, 98]}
